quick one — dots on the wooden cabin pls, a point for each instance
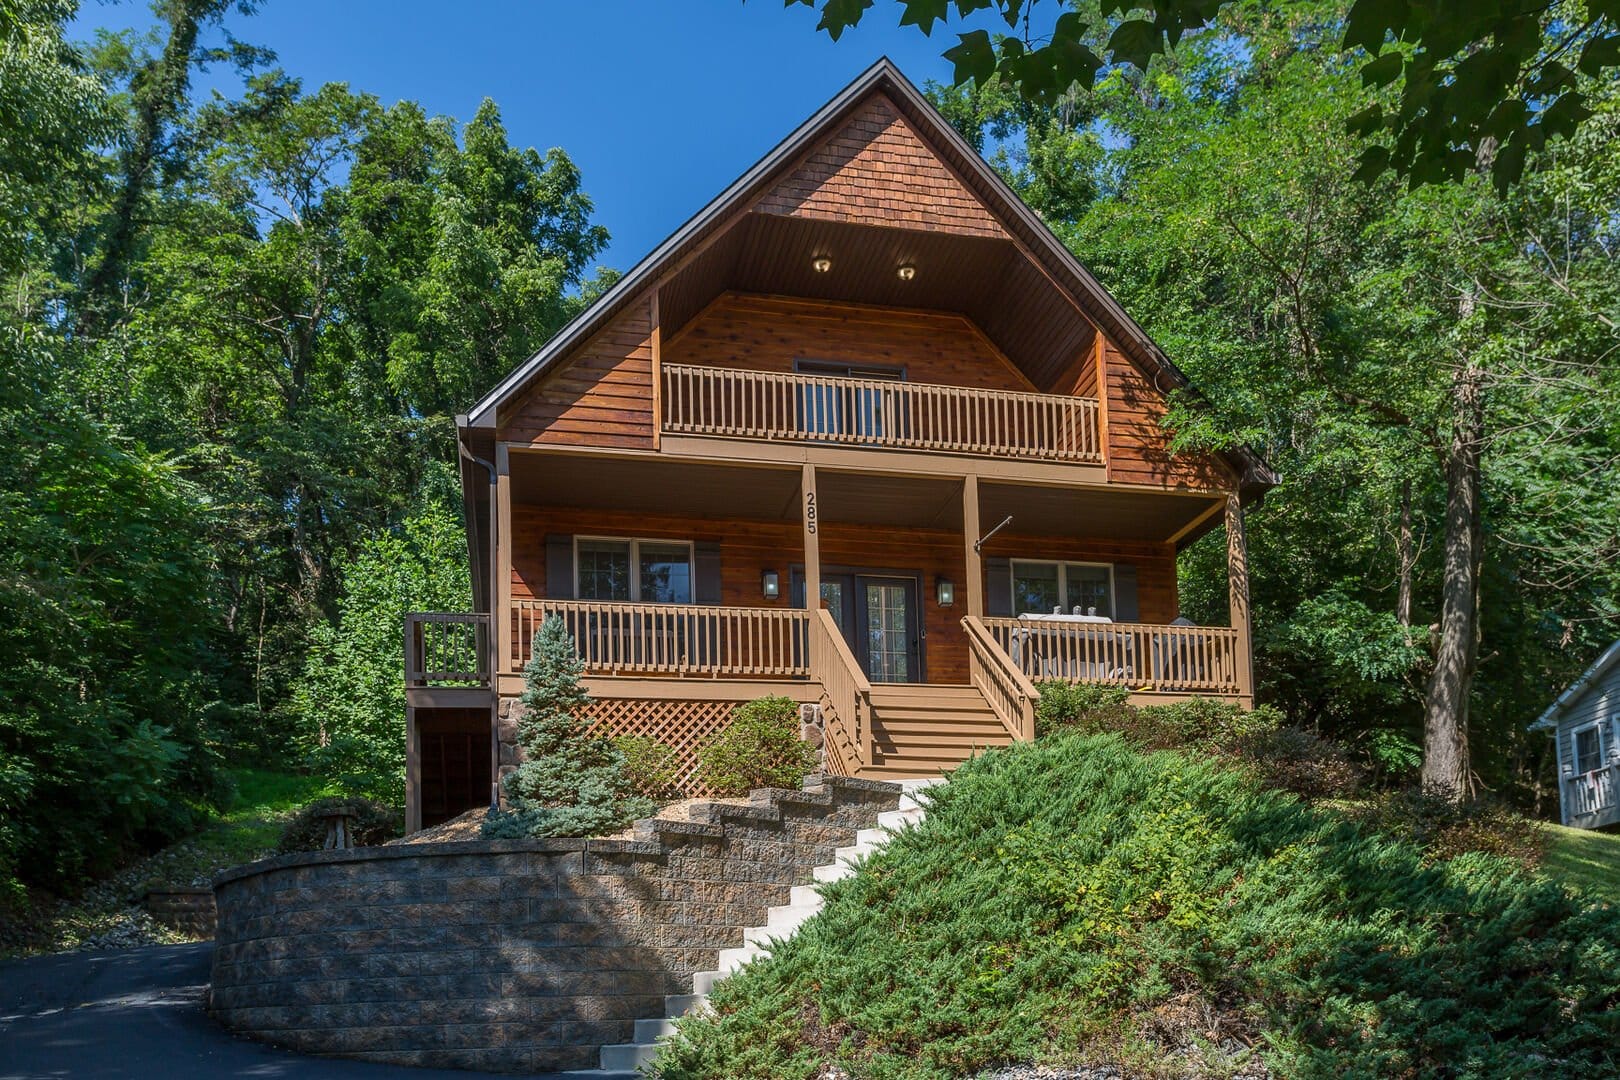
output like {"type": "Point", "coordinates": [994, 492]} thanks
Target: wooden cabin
{"type": "Point", "coordinates": [1585, 724]}
{"type": "Point", "coordinates": [862, 433]}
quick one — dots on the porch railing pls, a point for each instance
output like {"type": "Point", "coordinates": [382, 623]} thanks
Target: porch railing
{"type": "Point", "coordinates": [846, 696]}
{"type": "Point", "coordinates": [1143, 656]}
{"type": "Point", "coordinates": [672, 639]}
{"type": "Point", "coordinates": [1011, 695]}
{"type": "Point", "coordinates": [446, 649]}
{"type": "Point", "coordinates": [879, 413]}
{"type": "Point", "coordinates": [1590, 793]}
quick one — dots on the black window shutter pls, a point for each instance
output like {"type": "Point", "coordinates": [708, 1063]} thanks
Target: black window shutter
{"type": "Point", "coordinates": [706, 572]}
{"type": "Point", "coordinates": [559, 566]}
{"type": "Point", "coordinates": [998, 587]}
{"type": "Point", "coordinates": [1126, 608]}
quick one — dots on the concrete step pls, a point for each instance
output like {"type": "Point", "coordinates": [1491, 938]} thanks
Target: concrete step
{"type": "Point", "coordinates": [703, 982]}
{"type": "Point", "coordinates": [628, 1057]}
{"type": "Point", "coordinates": [792, 916]}
{"type": "Point", "coordinates": [650, 1031]}
{"type": "Point", "coordinates": [837, 871]}
{"type": "Point", "coordinates": [678, 1005]}
{"type": "Point", "coordinates": [804, 896]}
{"type": "Point", "coordinates": [895, 820]}
{"type": "Point", "coordinates": [736, 959]}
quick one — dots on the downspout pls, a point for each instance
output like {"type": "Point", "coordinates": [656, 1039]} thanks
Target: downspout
{"type": "Point", "coordinates": [491, 636]}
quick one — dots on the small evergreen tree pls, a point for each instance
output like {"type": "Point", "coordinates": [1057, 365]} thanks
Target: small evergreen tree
{"type": "Point", "coordinates": [571, 783]}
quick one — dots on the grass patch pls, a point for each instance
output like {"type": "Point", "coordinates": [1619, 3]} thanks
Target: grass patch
{"type": "Point", "coordinates": [1585, 859]}
{"type": "Point", "coordinates": [1077, 900]}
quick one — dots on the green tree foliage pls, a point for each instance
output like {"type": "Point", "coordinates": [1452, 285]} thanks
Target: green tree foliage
{"type": "Point", "coordinates": [105, 737]}
{"type": "Point", "coordinates": [1490, 81]}
{"type": "Point", "coordinates": [759, 748]}
{"type": "Point", "coordinates": [1076, 899]}
{"type": "Point", "coordinates": [1332, 325]}
{"type": "Point", "coordinates": [571, 783]}
{"type": "Point", "coordinates": [268, 306]}
{"type": "Point", "coordinates": [349, 703]}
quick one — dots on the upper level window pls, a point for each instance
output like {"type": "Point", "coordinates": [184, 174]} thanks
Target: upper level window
{"type": "Point", "coordinates": [1041, 587]}
{"type": "Point", "coordinates": [838, 409]}
{"type": "Point", "coordinates": [1589, 749]}
{"type": "Point", "coordinates": [647, 571]}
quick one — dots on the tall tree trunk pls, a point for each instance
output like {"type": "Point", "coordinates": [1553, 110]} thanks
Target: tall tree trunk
{"type": "Point", "coordinates": [1446, 769]}
{"type": "Point", "coordinates": [158, 91]}
{"type": "Point", "coordinates": [1403, 593]}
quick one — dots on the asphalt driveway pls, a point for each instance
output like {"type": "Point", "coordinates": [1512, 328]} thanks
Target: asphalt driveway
{"type": "Point", "coordinates": [139, 1013]}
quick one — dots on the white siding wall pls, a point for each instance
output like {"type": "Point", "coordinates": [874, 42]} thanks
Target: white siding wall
{"type": "Point", "coordinates": [1599, 703]}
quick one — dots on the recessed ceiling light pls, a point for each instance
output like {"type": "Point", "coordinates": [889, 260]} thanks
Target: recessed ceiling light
{"type": "Point", "coordinates": [821, 264]}
{"type": "Point", "coordinates": [907, 272]}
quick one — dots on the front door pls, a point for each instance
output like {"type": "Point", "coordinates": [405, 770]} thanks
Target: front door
{"type": "Point", "coordinates": [879, 618]}
{"type": "Point", "coordinates": [886, 611]}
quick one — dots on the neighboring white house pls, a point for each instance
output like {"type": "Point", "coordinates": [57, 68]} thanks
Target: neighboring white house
{"type": "Point", "coordinates": [1586, 722]}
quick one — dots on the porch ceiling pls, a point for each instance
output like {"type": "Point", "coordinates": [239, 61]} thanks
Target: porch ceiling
{"type": "Point", "coordinates": [989, 281]}
{"type": "Point", "coordinates": [896, 501]}
{"type": "Point", "coordinates": [649, 485]}
{"type": "Point", "coordinates": [1105, 515]}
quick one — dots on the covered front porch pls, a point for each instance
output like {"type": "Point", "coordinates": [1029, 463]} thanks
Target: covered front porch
{"type": "Point", "coordinates": [686, 581]}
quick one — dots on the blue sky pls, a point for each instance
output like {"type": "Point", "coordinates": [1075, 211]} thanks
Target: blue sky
{"type": "Point", "coordinates": [661, 103]}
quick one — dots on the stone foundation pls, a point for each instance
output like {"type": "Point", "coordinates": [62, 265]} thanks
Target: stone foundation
{"type": "Point", "coordinates": [511, 956]}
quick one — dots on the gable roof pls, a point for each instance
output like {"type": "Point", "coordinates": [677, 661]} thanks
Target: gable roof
{"type": "Point", "coordinates": [1610, 659]}
{"type": "Point", "coordinates": [1034, 238]}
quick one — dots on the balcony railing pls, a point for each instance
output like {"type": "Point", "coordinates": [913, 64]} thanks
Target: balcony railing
{"type": "Point", "coordinates": [1143, 656]}
{"type": "Point", "coordinates": [878, 413]}
{"type": "Point", "coordinates": [446, 649]}
{"type": "Point", "coordinates": [1593, 793]}
{"type": "Point", "coordinates": [672, 639]}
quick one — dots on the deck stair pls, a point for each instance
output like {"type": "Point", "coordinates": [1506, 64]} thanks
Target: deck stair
{"type": "Point", "coordinates": [922, 730]}
{"type": "Point", "coordinates": [781, 923]}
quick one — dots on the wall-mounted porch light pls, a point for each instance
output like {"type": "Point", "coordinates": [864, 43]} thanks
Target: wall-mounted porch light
{"type": "Point", "coordinates": [945, 592]}
{"type": "Point", "coordinates": [821, 264]}
{"type": "Point", "coordinates": [770, 584]}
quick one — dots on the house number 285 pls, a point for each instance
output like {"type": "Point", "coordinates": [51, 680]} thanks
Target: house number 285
{"type": "Point", "coordinates": [810, 512]}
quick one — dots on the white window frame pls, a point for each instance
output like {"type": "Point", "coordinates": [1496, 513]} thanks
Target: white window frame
{"type": "Point", "coordinates": [1063, 580]}
{"type": "Point", "coordinates": [635, 543]}
{"type": "Point", "coordinates": [1597, 728]}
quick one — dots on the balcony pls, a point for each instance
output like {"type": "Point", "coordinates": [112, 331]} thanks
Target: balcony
{"type": "Point", "coordinates": [879, 413]}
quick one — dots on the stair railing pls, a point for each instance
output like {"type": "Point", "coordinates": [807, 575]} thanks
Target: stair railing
{"type": "Point", "coordinates": [1009, 691]}
{"type": "Point", "coordinates": [846, 696]}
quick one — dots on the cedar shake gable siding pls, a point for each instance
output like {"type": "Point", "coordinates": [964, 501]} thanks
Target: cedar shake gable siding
{"type": "Point", "coordinates": [876, 170]}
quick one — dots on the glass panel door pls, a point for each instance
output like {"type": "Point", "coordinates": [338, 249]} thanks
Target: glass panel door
{"type": "Point", "coordinates": [891, 638]}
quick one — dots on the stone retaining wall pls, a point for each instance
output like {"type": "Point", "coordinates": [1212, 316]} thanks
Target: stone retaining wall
{"type": "Point", "coordinates": [185, 909]}
{"type": "Point", "coordinates": [511, 956]}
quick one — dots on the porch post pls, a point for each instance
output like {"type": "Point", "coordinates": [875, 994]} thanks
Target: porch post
{"type": "Point", "coordinates": [500, 593]}
{"type": "Point", "coordinates": [1237, 578]}
{"type": "Point", "coordinates": [810, 510]}
{"type": "Point", "coordinates": [970, 538]}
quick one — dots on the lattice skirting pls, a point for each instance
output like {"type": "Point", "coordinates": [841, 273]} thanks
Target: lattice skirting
{"type": "Point", "coordinates": [684, 725]}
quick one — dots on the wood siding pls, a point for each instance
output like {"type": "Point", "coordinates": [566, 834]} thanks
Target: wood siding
{"type": "Point", "coordinates": [875, 170]}
{"type": "Point", "coordinates": [1138, 448]}
{"type": "Point", "coordinates": [749, 547]}
{"type": "Point", "coordinates": [768, 333]}
{"type": "Point", "coordinates": [602, 395]}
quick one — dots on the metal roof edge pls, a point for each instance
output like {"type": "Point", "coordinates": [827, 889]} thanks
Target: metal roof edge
{"type": "Point", "coordinates": [1600, 667]}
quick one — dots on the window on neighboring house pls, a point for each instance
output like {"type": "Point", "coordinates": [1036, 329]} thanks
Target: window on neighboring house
{"type": "Point", "coordinates": [1040, 587]}
{"type": "Point", "coordinates": [1588, 748]}
{"type": "Point", "coordinates": [866, 411]}
{"type": "Point", "coordinates": [647, 571]}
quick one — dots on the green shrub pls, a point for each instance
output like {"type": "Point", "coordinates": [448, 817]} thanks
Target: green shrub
{"type": "Point", "coordinates": [376, 823]}
{"type": "Point", "coordinates": [1445, 829]}
{"type": "Point", "coordinates": [1299, 761]}
{"type": "Point", "coordinates": [1085, 706]}
{"type": "Point", "coordinates": [1077, 899]}
{"type": "Point", "coordinates": [571, 783]}
{"type": "Point", "coordinates": [759, 748]}
{"type": "Point", "coordinates": [652, 767]}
